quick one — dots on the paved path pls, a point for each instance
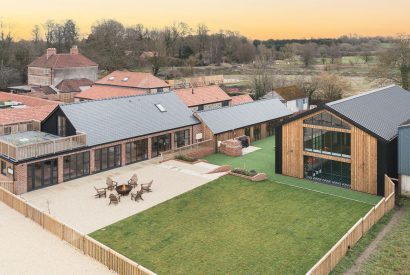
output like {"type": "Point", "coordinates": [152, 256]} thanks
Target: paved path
{"type": "Point", "coordinates": [373, 245]}
{"type": "Point", "coordinates": [26, 248]}
{"type": "Point", "coordinates": [74, 204]}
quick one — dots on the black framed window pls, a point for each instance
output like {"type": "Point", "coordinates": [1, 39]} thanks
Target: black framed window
{"type": "Point", "coordinates": [107, 158]}
{"type": "Point", "coordinates": [327, 171]}
{"type": "Point", "coordinates": [181, 138]}
{"type": "Point", "coordinates": [270, 128]}
{"type": "Point", "coordinates": [248, 131]}
{"type": "Point", "coordinates": [3, 168]}
{"type": "Point", "coordinates": [200, 107]}
{"type": "Point", "coordinates": [225, 103]}
{"type": "Point", "coordinates": [76, 166]}
{"type": "Point", "coordinates": [42, 174]}
{"type": "Point", "coordinates": [327, 142]}
{"type": "Point", "coordinates": [326, 119]}
{"type": "Point", "coordinates": [136, 151]}
{"type": "Point", "coordinates": [256, 132]}
{"type": "Point", "coordinates": [160, 144]}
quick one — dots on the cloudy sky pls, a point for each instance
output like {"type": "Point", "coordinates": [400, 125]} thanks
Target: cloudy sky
{"type": "Point", "coordinates": [254, 18]}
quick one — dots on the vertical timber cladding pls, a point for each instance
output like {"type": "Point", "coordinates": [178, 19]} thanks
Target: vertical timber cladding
{"type": "Point", "coordinates": [364, 161]}
{"type": "Point", "coordinates": [363, 155]}
{"type": "Point", "coordinates": [292, 149]}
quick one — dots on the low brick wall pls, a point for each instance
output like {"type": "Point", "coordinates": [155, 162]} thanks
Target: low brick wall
{"type": "Point", "coordinates": [231, 148]}
{"type": "Point", "coordinates": [221, 169]}
{"type": "Point", "coordinates": [203, 152]}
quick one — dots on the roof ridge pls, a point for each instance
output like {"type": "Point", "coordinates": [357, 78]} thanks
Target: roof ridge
{"type": "Point", "coordinates": [114, 98]}
{"type": "Point", "coordinates": [240, 104]}
{"type": "Point", "coordinates": [360, 95]}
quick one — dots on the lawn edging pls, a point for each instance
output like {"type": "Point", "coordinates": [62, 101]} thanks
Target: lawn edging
{"type": "Point", "coordinates": [329, 261]}
{"type": "Point", "coordinates": [89, 246]}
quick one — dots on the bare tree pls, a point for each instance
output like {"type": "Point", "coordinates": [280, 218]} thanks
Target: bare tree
{"type": "Point", "coordinates": [309, 85]}
{"type": "Point", "coordinates": [308, 53]}
{"type": "Point", "coordinates": [36, 36]}
{"type": "Point", "coordinates": [330, 86]}
{"type": "Point", "coordinates": [394, 63]}
{"type": "Point", "coordinates": [202, 34]}
{"type": "Point", "coordinates": [262, 81]}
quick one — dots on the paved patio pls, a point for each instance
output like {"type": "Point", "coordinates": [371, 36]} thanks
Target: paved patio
{"type": "Point", "coordinates": [73, 202]}
{"type": "Point", "coordinates": [26, 248]}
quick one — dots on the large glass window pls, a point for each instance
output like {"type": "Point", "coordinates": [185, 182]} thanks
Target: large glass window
{"type": "Point", "coordinates": [256, 132]}
{"type": "Point", "coordinates": [326, 119]}
{"type": "Point", "coordinates": [270, 128]}
{"type": "Point", "coordinates": [326, 142]}
{"type": "Point", "coordinates": [41, 174]}
{"type": "Point", "coordinates": [136, 151]}
{"type": "Point", "coordinates": [107, 158]}
{"type": "Point", "coordinates": [76, 165]}
{"type": "Point", "coordinates": [161, 144]}
{"type": "Point", "coordinates": [181, 138]}
{"type": "Point", "coordinates": [327, 171]}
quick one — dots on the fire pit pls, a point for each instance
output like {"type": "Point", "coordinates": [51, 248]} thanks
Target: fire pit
{"type": "Point", "coordinates": [123, 189]}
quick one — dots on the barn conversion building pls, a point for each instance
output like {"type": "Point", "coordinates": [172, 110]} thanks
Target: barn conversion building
{"type": "Point", "coordinates": [351, 142]}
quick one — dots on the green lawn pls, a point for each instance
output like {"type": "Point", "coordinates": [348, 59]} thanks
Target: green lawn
{"type": "Point", "coordinates": [263, 160]}
{"type": "Point", "coordinates": [234, 226]}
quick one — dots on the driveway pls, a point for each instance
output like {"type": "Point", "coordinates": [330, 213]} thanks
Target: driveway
{"type": "Point", "coordinates": [26, 248]}
{"type": "Point", "coordinates": [73, 202]}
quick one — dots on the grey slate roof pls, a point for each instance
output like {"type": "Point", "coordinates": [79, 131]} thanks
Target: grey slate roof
{"type": "Point", "coordinates": [109, 120]}
{"type": "Point", "coordinates": [242, 115]}
{"type": "Point", "coordinates": [380, 111]}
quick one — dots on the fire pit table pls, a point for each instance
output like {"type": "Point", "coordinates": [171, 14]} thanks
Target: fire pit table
{"type": "Point", "coordinates": [123, 189]}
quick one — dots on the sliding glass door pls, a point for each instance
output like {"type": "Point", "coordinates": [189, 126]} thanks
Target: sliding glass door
{"type": "Point", "coordinates": [76, 165]}
{"type": "Point", "coordinates": [161, 144]}
{"type": "Point", "coordinates": [107, 158]}
{"type": "Point", "coordinates": [136, 151]}
{"type": "Point", "coordinates": [42, 174]}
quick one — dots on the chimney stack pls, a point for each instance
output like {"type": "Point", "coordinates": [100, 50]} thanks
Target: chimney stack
{"type": "Point", "coordinates": [74, 50]}
{"type": "Point", "coordinates": [50, 52]}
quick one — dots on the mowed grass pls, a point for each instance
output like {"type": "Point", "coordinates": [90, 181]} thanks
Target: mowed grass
{"type": "Point", "coordinates": [234, 226]}
{"type": "Point", "coordinates": [263, 160]}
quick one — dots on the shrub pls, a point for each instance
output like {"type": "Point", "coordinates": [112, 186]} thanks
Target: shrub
{"type": "Point", "coordinates": [186, 158]}
{"type": "Point", "coordinates": [244, 172]}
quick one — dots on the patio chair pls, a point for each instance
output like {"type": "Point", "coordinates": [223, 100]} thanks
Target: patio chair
{"type": "Point", "coordinates": [146, 187]}
{"type": "Point", "coordinates": [137, 196]}
{"type": "Point", "coordinates": [111, 184]}
{"type": "Point", "coordinates": [133, 181]}
{"type": "Point", "coordinates": [100, 192]}
{"type": "Point", "coordinates": [114, 199]}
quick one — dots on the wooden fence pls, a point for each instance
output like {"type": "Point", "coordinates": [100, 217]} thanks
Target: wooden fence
{"type": "Point", "coordinates": [326, 264]}
{"type": "Point", "coordinates": [108, 257]}
{"type": "Point", "coordinates": [8, 185]}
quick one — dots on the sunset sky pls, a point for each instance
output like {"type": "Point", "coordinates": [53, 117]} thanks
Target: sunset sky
{"type": "Point", "coordinates": [261, 19]}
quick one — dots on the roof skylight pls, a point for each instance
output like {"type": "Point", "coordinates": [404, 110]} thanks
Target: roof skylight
{"type": "Point", "coordinates": [111, 78]}
{"type": "Point", "coordinates": [125, 79]}
{"type": "Point", "coordinates": [161, 108]}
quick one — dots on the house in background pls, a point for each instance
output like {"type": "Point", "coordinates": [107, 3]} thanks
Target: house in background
{"type": "Point", "coordinates": [351, 142]}
{"type": "Point", "coordinates": [293, 97]}
{"type": "Point", "coordinates": [404, 157]}
{"type": "Point", "coordinates": [58, 76]}
{"type": "Point", "coordinates": [104, 91]}
{"type": "Point", "coordinates": [204, 98]}
{"type": "Point", "coordinates": [256, 120]}
{"type": "Point", "coordinates": [51, 68]}
{"type": "Point", "coordinates": [135, 80]}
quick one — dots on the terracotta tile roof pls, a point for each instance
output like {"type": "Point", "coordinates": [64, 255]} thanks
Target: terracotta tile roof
{"type": "Point", "coordinates": [290, 92]}
{"type": "Point", "coordinates": [24, 114]}
{"type": "Point", "coordinates": [132, 79]}
{"type": "Point", "coordinates": [26, 100]}
{"type": "Point", "coordinates": [202, 95]}
{"type": "Point", "coordinates": [73, 85]}
{"type": "Point", "coordinates": [240, 99]}
{"type": "Point", "coordinates": [62, 60]}
{"type": "Point", "coordinates": [36, 108]}
{"type": "Point", "coordinates": [102, 91]}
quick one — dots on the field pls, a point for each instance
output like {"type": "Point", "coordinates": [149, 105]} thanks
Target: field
{"type": "Point", "coordinates": [233, 226]}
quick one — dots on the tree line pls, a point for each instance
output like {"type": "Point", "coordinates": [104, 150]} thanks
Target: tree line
{"type": "Point", "coordinates": [115, 46]}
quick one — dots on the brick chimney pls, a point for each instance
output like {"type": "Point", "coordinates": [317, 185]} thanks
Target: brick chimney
{"type": "Point", "coordinates": [74, 50]}
{"type": "Point", "coordinates": [50, 52]}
